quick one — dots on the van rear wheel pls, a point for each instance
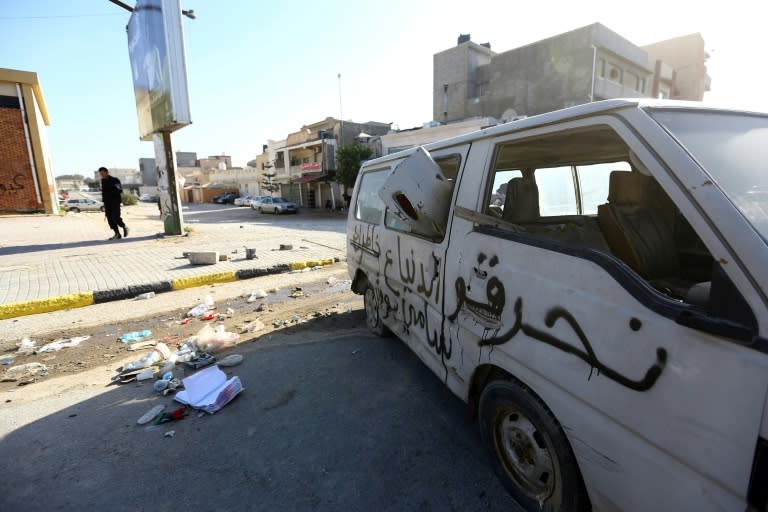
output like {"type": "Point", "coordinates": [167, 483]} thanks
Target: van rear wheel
{"type": "Point", "coordinates": [372, 316]}
{"type": "Point", "coordinates": [530, 452]}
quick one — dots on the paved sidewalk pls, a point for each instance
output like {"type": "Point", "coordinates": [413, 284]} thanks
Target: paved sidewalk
{"type": "Point", "coordinates": [54, 262]}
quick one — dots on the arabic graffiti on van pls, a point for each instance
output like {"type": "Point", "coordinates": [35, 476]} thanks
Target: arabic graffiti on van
{"type": "Point", "coordinates": [411, 287]}
{"type": "Point", "coordinates": [491, 312]}
{"type": "Point", "coordinates": [366, 238]}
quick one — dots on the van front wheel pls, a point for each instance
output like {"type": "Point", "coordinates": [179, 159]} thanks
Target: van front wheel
{"type": "Point", "coordinates": [372, 317]}
{"type": "Point", "coordinates": [529, 450]}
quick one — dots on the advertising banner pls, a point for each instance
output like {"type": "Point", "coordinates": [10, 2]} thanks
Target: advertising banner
{"type": "Point", "coordinates": [158, 65]}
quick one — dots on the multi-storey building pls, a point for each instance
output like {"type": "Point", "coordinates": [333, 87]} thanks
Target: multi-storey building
{"type": "Point", "coordinates": [587, 64]}
{"type": "Point", "coordinates": [304, 164]}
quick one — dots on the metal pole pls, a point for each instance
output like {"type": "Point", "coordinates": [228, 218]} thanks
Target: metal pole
{"type": "Point", "coordinates": [341, 115]}
{"type": "Point", "coordinates": [173, 223]}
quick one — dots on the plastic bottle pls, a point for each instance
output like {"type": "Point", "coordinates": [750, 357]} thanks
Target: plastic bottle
{"type": "Point", "coordinates": [208, 301]}
{"type": "Point", "coordinates": [160, 352]}
{"type": "Point", "coordinates": [198, 310]}
{"type": "Point", "coordinates": [143, 296]}
{"type": "Point", "coordinates": [130, 337]}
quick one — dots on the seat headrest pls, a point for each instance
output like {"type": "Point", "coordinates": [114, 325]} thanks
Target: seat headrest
{"type": "Point", "coordinates": [628, 188]}
{"type": "Point", "coordinates": [522, 200]}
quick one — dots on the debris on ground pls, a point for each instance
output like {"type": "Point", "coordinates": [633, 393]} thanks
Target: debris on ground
{"type": "Point", "coordinates": [61, 343]}
{"type": "Point", "coordinates": [209, 390]}
{"type": "Point", "coordinates": [130, 337]}
{"type": "Point", "coordinates": [25, 372]}
{"type": "Point", "coordinates": [296, 293]}
{"type": "Point", "coordinates": [26, 347]}
{"type": "Point", "coordinates": [253, 326]}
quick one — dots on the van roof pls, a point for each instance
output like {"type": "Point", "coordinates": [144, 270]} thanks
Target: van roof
{"type": "Point", "coordinates": [586, 109]}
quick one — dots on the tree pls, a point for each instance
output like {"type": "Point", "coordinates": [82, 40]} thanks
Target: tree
{"type": "Point", "coordinates": [348, 160]}
{"type": "Point", "coordinates": [267, 183]}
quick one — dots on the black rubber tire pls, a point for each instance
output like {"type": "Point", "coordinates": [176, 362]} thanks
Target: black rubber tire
{"type": "Point", "coordinates": [101, 209]}
{"type": "Point", "coordinates": [75, 210]}
{"type": "Point", "coordinates": [372, 317]}
{"type": "Point", "coordinates": [260, 212]}
{"type": "Point", "coordinates": [510, 411]}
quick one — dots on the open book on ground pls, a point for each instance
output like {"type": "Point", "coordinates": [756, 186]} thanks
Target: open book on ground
{"type": "Point", "coordinates": [209, 390]}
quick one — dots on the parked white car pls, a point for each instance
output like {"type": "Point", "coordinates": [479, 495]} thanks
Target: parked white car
{"type": "Point", "coordinates": [256, 200]}
{"type": "Point", "coordinates": [593, 282]}
{"type": "Point", "coordinates": [276, 205]}
{"type": "Point", "coordinates": [243, 201]}
{"type": "Point", "coordinates": [83, 205]}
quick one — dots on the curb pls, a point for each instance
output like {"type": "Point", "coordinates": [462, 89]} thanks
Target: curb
{"type": "Point", "coordinates": [82, 299]}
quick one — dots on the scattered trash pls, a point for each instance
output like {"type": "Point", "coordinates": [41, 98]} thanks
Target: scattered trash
{"type": "Point", "coordinates": [279, 323]}
{"type": "Point", "coordinates": [160, 352]}
{"type": "Point", "coordinates": [254, 326]}
{"type": "Point", "coordinates": [200, 361]}
{"type": "Point", "coordinates": [7, 359]}
{"type": "Point", "coordinates": [259, 308]}
{"type": "Point", "coordinates": [331, 281]}
{"type": "Point", "coordinates": [354, 352]}
{"type": "Point", "coordinates": [151, 414]}
{"type": "Point", "coordinates": [286, 247]}
{"type": "Point", "coordinates": [250, 253]}
{"type": "Point", "coordinates": [223, 257]}
{"type": "Point", "coordinates": [295, 319]}
{"type": "Point", "coordinates": [144, 296]}
{"type": "Point", "coordinates": [210, 315]}
{"type": "Point", "coordinates": [231, 360]}
{"type": "Point", "coordinates": [349, 311]}
{"type": "Point", "coordinates": [57, 345]}
{"type": "Point", "coordinates": [26, 347]}
{"type": "Point", "coordinates": [230, 312]}
{"type": "Point", "coordinates": [147, 374]}
{"type": "Point", "coordinates": [141, 344]}
{"type": "Point", "coordinates": [297, 292]}
{"type": "Point", "coordinates": [209, 390]}
{"type": "Point", "coordinates": [210, 340]}
{"type": "Point", "coordinates": [185, 321]}
{"type": "Point", "coordinates": [256, 295]}
{"type": "Point", "coordinates": [24, 372]}
{"type": "Point", "coordinates": [160, 385]}
{"type": "Point", "coordinates": [273, 290]}
{"type": "Point", "coordinates": [197, 311]}
{"type": "Point", "coordinates": [130, 337]}
{"type": "Point", "coordinates": [170, 433]}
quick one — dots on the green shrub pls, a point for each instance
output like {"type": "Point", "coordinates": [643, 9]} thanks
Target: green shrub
{"type": "Point", "coordinates": [128, 199]}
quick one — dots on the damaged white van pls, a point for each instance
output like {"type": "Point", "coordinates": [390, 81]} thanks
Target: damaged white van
{"type": "Point", "coordinates": [593, 283]}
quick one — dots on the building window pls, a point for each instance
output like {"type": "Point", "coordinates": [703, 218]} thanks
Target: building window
{"type": "Point", "coordinates": [614, 73]}
{"type": "Point", "coordinates": [601, 67]}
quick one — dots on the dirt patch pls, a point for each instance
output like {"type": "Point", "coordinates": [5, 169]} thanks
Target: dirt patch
{"type": "Point", "coordinates": [288, 315]}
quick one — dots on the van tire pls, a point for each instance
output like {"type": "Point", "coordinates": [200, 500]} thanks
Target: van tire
{"type": "Point", "coordinates": [372, 317]}
{"type": "Point", "coordinates": [529, 450]}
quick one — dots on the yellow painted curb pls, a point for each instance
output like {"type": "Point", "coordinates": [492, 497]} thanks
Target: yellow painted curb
{"type": "Point", "coordinates": [309, 264]}
{"type": "Point", "coordinates": [191, 282]}
{"type": "Point", "coordinates": [33, 307]}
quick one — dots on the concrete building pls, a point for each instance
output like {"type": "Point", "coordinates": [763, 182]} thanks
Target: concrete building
{"type": "Point", "coordinates": [680, 72]}
{"type": "Point", "coordinates": [304, 164]}
{"type": "Point", "coordinates": [26, 171]}
{"type": "Point", "coordinates": [587, 64]}
{"type": "Point", "coordinates": [186, 159]}
{"type": "Point", "coordinates": [431, 132]}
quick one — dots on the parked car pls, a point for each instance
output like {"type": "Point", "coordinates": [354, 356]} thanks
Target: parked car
{"type": "Point", "coordinates": [227, 197]}
{"type": "Point", "coordinates": [593, 283]}
{"type": "Point", "coordinates": [148, 198]}
{"type": "Point", "coordinates": [256, 200]}
{"type": "Point", "coordinates": [276, 205]}
{"type": "Point", "coordinates": [243, 201]}
{"type": "Point", "coordinates": [83, 205]}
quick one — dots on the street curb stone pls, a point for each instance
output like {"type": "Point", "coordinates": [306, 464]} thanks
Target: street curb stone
{"type": "Point", "coordinates": [81, 299]}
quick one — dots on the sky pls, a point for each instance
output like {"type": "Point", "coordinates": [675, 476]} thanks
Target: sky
{"type": "Point", "coordinates": [259, 70]}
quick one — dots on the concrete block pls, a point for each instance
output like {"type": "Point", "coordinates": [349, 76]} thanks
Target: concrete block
{"type": "Point", "coordinates": [203, 257]}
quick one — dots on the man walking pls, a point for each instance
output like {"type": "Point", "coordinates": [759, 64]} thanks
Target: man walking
{"type": "Point", "coordinates": [111, 192]}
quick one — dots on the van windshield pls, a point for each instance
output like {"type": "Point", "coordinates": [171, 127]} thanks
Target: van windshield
{"type": "Point", "coordinates": [733, 149]}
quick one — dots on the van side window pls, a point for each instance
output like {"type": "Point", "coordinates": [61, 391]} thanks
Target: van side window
{"type": "Point", "coordinates": [449, 165]}
{"type": "Point", "coordinates": [579, 191]}
{"type": "Point", "coordinates": [369, 207]}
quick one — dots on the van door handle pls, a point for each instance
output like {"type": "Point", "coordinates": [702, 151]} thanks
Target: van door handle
{"type": "Point", "coordinates": [482, 274]}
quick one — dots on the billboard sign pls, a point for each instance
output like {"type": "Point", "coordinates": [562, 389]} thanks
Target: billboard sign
{"type": "Point", "coordinates": [158, 65]}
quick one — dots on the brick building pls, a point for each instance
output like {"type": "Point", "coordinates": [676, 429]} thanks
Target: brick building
{"type": "Point", "coordinates": [26, 175]}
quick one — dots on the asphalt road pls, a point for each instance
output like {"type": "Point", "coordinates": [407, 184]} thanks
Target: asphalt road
{"type": "Point", "coordinates": [347, 423]}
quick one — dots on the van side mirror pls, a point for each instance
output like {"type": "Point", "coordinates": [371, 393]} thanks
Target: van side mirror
{"type": "Point", "coordinates": [418, 193]}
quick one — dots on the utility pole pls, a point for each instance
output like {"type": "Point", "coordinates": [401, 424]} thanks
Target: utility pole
{"type": "Point", "coordinates": [341, 115]}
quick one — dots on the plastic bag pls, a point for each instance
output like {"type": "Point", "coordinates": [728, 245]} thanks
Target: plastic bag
{"type": "Point", "coordinates": [209, 339]}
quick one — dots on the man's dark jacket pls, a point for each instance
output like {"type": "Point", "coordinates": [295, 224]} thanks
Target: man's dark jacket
{"type": "Point", "coordinates": [111, 190]}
